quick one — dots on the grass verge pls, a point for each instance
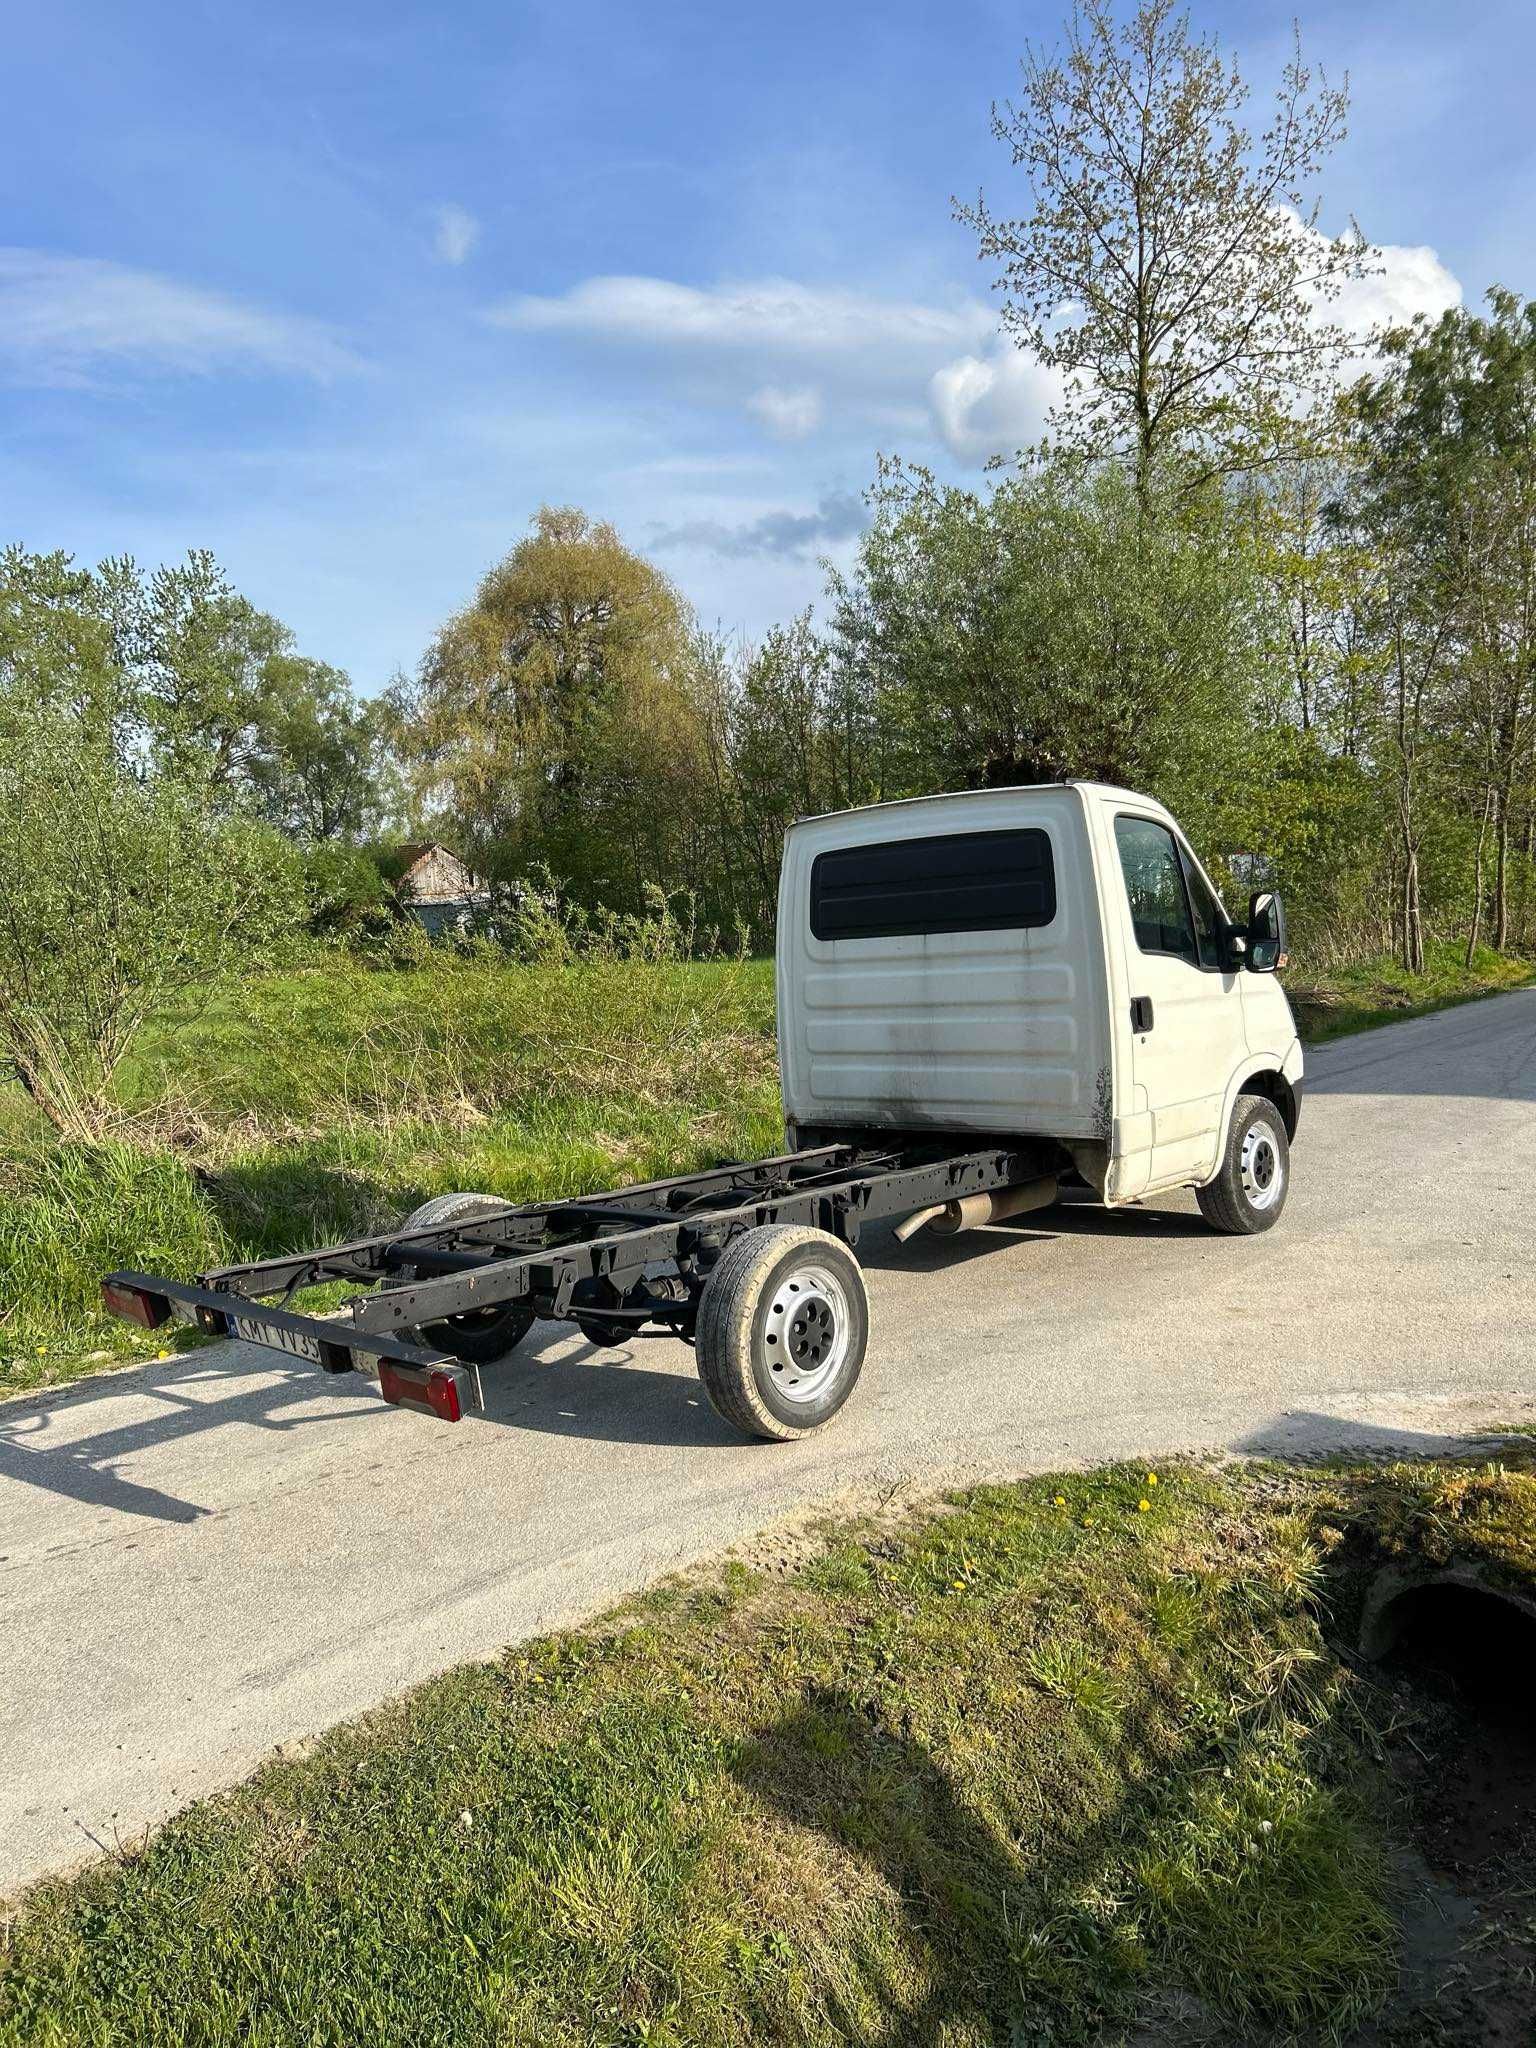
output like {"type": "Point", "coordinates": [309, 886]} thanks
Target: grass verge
{"type": "Point", "coordinates": [329, 1104]}
{"type": "Point", "coordinates": [1381, 991]}
{"type": "Point", "coordinates": [1009, 1768]}
{"type": "Point", "coordinates": [1037, 1761]}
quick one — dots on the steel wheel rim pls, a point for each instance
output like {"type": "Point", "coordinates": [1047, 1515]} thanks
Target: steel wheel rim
{"type": "Point", "coordinates": [1263, 1174]}
{"type": "Point", "coordinates": [806, 1333]}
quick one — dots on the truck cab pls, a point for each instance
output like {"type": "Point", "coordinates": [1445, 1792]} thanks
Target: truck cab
{"type": "Point", "coordinates": [1049, 963]}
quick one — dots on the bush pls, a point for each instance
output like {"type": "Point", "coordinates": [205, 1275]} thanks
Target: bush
{"type": "Point", "coordinates": [128, 894]}
{"type": "Point", "coordinates": [348, 897]}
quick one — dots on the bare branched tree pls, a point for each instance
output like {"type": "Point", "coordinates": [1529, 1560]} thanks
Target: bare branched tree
{"type": "Point", "coordinates": [1171, 266]}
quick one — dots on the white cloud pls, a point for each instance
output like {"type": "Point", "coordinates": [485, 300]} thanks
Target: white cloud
{"type": "Point", "coordinates": [870, 357]}
{"type": "Point", "coordinates": [857, 357]}
{"type": "Point", "coordinates": [1407, 281]}
{"type": "Point", "coordinates": [773, 315]}
{"type": "Point", "coordinates": [63, 317]}
{"type": "Point", "coordinates": [455, 232]}
{"type": "Point", "coordinates": [789, 412]}
{"type": "Point", "coordinates": [994, 403]}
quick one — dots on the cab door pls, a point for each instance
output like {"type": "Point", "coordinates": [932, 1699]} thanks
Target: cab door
{"type": "Point", "coordinates": [1186, 1008]}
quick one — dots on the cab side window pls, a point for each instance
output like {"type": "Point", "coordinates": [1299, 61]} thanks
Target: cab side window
{"type": "Point", "coordinates": [1154, 883]}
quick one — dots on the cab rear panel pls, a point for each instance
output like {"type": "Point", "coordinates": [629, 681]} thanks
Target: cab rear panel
{"type": "Point", "coordinates": [940, 966]}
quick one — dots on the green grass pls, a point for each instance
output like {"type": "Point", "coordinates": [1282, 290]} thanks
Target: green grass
{"type": "Point", "coordinates": [323, 1105]}
{"type": "Point", "coordinates": [1000, 1770]}
{"type": "Point", "coordinates": [311, 1106]}
{"type": "Point", "coordinates": [454, 1044]}
{"type": "Point", "coordinates": [1382, 991]}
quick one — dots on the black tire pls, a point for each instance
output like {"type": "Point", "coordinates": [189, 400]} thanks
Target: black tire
{"type": "Point", "coordinates": [1249, 1192]}
{"type": "Point", "coordinates": [484, 1334]}
{"type": "Point", "coordinates": [782, 1330]}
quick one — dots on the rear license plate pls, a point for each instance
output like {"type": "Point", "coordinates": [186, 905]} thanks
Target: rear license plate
{"type": "Point", "coordinates": [295, 1342]}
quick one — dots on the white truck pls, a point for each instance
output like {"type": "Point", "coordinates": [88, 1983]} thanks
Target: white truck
{"type": "Point", "coordinates": [1051, 963]}
{"type": "Point", "coordinates": [980, 997]}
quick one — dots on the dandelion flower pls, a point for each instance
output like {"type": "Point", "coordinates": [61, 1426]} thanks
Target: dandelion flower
{"type": "Point", "coordinates": [1061, 1500]}
{"type": "Point", "coordinates": [1151, 1479]}
{"type": "Point", "coordinates": [1142, 1506]}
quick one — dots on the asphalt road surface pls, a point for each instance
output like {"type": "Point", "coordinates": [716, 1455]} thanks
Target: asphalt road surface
{"type": "Point", "coordinates": [207, 1559]}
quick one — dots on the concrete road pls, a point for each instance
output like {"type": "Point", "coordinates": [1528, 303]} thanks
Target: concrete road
{"type": "Point", "coordinates": [204, 1560]}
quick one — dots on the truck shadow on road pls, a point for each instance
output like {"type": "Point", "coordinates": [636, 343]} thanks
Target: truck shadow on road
{"type": "Point", "coordinates": [190, 1395]}
{"type": "Point", "coordinates": [563, 1387]}
{"type": "Point", "coordinates": [585, 1391]}
{"type": "Point", "coordinates": [557, 1386]}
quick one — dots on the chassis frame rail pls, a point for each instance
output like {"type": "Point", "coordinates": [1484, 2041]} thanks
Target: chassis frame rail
{"type": "Point", "coordinates": [592, 1260]}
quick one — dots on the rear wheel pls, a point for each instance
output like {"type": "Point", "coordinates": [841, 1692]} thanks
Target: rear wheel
{"type": "Point", "coordinates": [1250, 1190]}
{"type": "Point", "coordinates": [782, 1329]}
{"type": "Point", "coordinates": [482, 1335]}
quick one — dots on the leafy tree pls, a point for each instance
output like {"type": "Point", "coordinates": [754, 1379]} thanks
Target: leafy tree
{"type": "Point", "coordinates": [1446, 492]}
{"type": "Point", "coordinates": [192, 679]}
{"type": "Point", "coordinates": [553, 716]}
{"type": "Point", "coordinates": [319, 765]}
{"type": "Point", "coordinates": [781, 749]}
{"type": "Point", "coordinates": [1411, 630]}
{"type": "Point", "coordinates": [1171, 267]}
{"type": "Point", "coordinates": [1059, 624]}
{"type": "Point", "coordinates": [1322, 583]}
{"type": "Point", "coordinates": [204, 652]}
{"type": "Point", "coordinates": [123, 895]}
{"type": "Point", "coordinates": [58, 645]}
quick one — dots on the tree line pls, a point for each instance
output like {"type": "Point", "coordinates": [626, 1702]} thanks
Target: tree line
{"type": "Point", "coordinates": [1280, 576]}
{"type": "Point", "coordinates": [1326, 667]}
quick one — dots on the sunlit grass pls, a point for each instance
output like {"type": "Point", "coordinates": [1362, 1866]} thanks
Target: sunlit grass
{"type": "Point", "coordinates": [992, 1771]}
{"type": "Point", "coordinates": [329, 1104]}
{"type": "Point", "coordinates": [1382, 991]}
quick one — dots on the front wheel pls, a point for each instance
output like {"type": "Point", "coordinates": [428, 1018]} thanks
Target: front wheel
{"type": "Point", "coordinates": [1249, 1192]}
{"type": "Point", "coordinates": [782, 1329]}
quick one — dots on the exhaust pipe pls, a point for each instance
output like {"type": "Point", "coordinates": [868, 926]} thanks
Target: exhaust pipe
{"type": "Point", "coordinates": [971, 1212]}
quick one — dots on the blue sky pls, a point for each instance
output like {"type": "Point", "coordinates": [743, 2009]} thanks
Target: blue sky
{"type": "Point", "coordinates": [345, 292]}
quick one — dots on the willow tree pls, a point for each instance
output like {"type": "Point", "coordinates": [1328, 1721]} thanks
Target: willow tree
{"type": "Point", "coordinates": [1170, 265]}
{"type": "Point", "coordinates": [551, 718]}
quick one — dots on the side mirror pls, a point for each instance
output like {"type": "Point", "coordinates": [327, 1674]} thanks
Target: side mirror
{"type": "Point", "coordinates": [1266, 932]}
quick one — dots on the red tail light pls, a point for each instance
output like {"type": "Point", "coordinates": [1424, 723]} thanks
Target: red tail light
{"type": "Point", "coordinates": [434, 1389]}
{"type": "Point", "coordinates": [135, 1304]}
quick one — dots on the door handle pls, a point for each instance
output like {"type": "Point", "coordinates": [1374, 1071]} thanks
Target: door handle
{"type": "Point", "coordinates": [1141, 1013]}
